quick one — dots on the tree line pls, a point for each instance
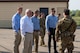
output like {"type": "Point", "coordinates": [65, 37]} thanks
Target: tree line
{"type": "Point", "coordinates": [75, 13]}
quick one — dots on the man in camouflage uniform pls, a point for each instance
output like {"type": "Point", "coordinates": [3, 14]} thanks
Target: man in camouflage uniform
{"type": "Point", "coordinates": [42, 29]}
{"type": "Point", "coordinates": [65, 32]}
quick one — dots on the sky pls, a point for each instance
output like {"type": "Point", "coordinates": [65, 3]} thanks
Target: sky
{"type": "Point", "coordinates": [74, 4]}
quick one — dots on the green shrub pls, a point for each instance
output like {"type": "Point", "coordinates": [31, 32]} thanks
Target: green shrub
{"type": "Point", "coordinates": [77, 19]}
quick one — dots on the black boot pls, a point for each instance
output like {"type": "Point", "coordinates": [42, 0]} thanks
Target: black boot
{"type": "Point", "coordinates": [55, 51]}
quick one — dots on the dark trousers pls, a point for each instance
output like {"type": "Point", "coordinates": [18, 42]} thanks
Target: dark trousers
{"type": "Point", "coordinates": [52, 33]}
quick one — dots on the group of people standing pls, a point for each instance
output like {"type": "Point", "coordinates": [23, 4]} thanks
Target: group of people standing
{"type": "Point", "coordinates": [31, 25]}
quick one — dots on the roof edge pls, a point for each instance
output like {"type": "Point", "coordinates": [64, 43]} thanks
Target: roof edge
{"type": "Point", "coordinates": [34, 1]}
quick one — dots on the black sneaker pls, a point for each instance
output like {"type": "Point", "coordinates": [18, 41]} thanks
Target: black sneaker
{"type": "Point", "coordinates": [55, 52]}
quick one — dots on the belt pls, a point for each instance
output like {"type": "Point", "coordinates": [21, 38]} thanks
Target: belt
{"type": "Point", "coordinates": [28, 32]}
{"type": "Point", "coordinates": [52, 28]}
{"type": "Point", "coordinates": [36, 30]}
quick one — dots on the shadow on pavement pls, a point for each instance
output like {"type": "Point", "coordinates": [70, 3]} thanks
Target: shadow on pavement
{"type": "Point", "coordinates": [4, 52]}
{"type": "Point", "coordinates": [77, 41]}
{"type": "Point", "coordinates": [43, 52]}
{"type": "Point", "coordinates": [77, 47]}
{"type": "Point", "coordinates": [76, 51]}
{"type": "Point", "coordinates": [65, 52]}
{"type": "Point", "coordinates": [5, 49]}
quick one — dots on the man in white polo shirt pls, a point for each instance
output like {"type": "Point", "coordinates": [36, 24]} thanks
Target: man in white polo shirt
{"type": "Point", "coordinates": [26, 27]}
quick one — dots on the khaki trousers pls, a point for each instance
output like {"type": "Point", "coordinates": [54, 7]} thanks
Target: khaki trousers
{"type": "Point", "coordinates": [36, 40]}
{"type": "Point", "coordinates": [42, 35]}
{"type": "Point", "coordinates": [17, 42]}
{"type": "Point", "coordinates": [28, 40]}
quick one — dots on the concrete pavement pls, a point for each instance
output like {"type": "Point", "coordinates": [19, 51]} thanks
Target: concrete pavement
{"type": "Point", "coordinates": [7, 41]}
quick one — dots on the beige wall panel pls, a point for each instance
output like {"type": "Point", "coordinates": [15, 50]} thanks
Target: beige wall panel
{"type": "Point", "coordinates": [7, 9]}
{"type": "Point", "coordinates": [60, 10]}
{"type": "Point", "coordinates": [49, 5]}
{"type": "Point", "coordinates": [5, 23]}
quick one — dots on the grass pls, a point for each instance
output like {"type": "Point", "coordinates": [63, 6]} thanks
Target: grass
{"type": "Point", "coordinates": [77, 19]}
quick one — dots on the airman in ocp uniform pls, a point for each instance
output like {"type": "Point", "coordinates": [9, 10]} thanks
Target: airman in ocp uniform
{"type": "Point", "coordinates": [65, 32]}
{"type": "Point", "coordinates": [42, 29]}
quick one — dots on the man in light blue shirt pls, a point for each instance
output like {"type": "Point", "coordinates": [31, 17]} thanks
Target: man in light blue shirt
{"type": "Point", "coordinates": [16, 27]}
{"type": "Point", "coordinates": [36, 24]}
{"type": "Point", "coordinates": [26, 27]}
{"type": "Point", "coordinates": [51, 21]}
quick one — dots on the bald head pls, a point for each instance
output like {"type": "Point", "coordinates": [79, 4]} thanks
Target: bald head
{"type": "Point", "coordinates": [28, 12]}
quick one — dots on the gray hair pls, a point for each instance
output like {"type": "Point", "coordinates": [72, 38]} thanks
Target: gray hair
{"type": "Point", "coordinates": [27, 10]}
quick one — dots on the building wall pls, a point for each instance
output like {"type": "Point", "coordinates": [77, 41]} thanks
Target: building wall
{"type": "Point", "coordinates": [7, 9]}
